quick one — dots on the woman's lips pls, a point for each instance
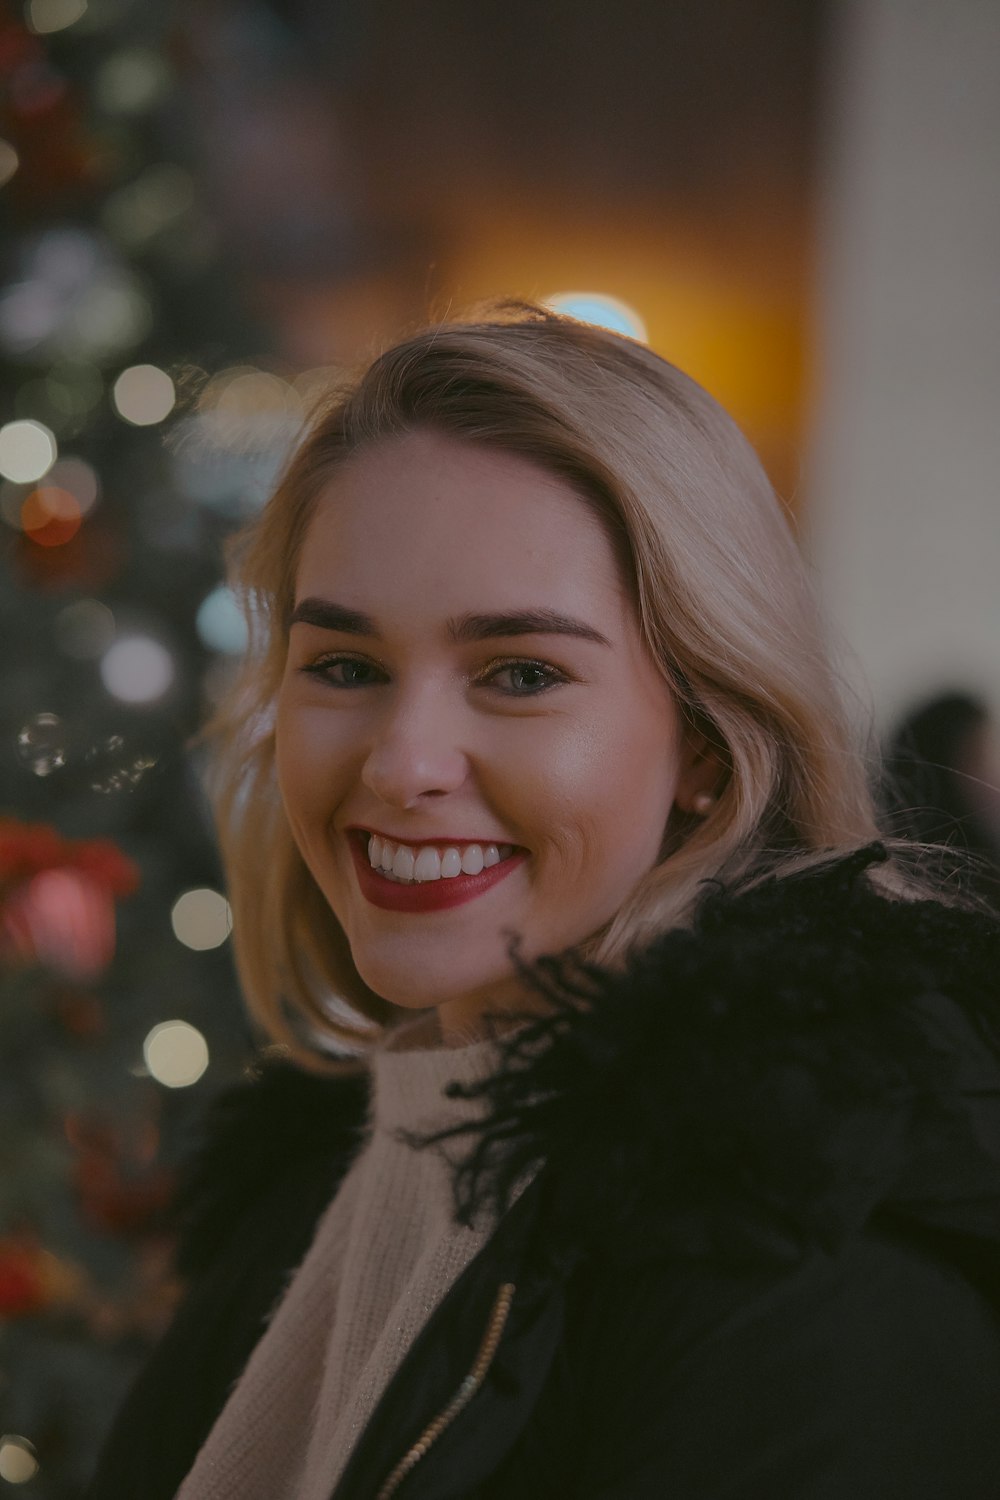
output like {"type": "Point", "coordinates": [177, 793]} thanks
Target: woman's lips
{"type": "Point", "coordinates": [427, 895]}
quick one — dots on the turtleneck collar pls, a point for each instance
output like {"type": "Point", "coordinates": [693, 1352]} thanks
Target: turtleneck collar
{"type": "Point", "coordinates": [408, 1083]}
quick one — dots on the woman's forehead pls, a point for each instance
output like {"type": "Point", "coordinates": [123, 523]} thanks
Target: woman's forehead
{"type": "Point", "coordinates": [426, 513]}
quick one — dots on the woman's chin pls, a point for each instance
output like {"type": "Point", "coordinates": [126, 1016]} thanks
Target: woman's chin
{"type": "Point", "coordinates": [482, 993]}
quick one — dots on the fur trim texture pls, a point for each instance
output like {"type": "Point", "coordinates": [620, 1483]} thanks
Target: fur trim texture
{"type": "Point", "coordinates": [282, 1121]}
{"type": "Point", "coordinates": [809, 1053]}
{"type": "Point", "coordinates": [760, 1083]}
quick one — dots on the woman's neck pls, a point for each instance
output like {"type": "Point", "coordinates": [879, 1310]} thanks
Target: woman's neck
{"type": "Point", "coordinates": [432, 1029]}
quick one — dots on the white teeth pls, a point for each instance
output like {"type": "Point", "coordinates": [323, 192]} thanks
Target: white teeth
{"type": "Point", "coordinates": [403, 863]}
{"type": "Point", "coordinates": [428, 865]}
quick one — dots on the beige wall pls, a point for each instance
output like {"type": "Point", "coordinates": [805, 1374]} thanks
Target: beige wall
{"type": "Point", "coordinates": [903, 496]}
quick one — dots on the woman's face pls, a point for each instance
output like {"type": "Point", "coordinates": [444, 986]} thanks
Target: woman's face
{"type": "Point", "coordinates": [412, 710]}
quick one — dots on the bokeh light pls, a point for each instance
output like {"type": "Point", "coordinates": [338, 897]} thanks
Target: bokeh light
{"type": "Point", "coordinates": [64, 399]}
{"type": "Point", "coordinates": [220, 622]}
{"type": "Point", "coordinates": [41, 744]}
{"type": "Point", "coordinates": [149, 204]}
{"type": "Point", "coordinates": [27, 451]}
{"type": "Point", "coordinates": [315, 385]}
{"type": "Point", "coordinates": [137, 669]}
{"type": "Point", "coordinates": [45, 16]}
{"type": "Point", "coordinates": [72, 298]}
{"type": "Point", "coordinates": [18, 1459]}
{"type": "Point", "coordinates": [132, 81]}
{"type": "Point", "coordinates": [84, 630]}
{"type": "Point", "coordinates": [77, 476]}
{"type": "Point", "coordinates": [601, 310]}
{"type": "Point", "coordinates": [243, 401]}
{"type": "Point", "coordinates": [176, 1054]}
{"type": "Point", "coordinates": [201, 919]}
{"type": "Point", "coordinates": [108, 318]}
{"type": "Point", "coordinates": [28, 316]}
{"type": "Point", "coordinates": [51, 516]}
{"type": "Point", "coordinates": [9, 161]}
{"type": "Point", "coordinates": [143, 395]}
{"type": "Point", "coordinates": [229, 451]}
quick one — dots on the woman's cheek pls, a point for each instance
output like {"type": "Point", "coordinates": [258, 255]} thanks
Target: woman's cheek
{"type": "Point", "coordinates": [558, 794]}
{"type": "Point", "coordinates": [304, 757]}
{"type": "Point", "coordinates": [578, 766]}
{"type": "Point", "coordinates": [313, 735]}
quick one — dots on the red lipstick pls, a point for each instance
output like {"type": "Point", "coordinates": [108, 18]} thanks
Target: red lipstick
{"type": "Point", "coordinates": [427, 895]}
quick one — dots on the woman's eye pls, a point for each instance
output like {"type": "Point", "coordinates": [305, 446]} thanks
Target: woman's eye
{"type": "Point", "coordinates": [525, 679]}
{"type": "Point", "coordinates": [528, 677]}
{"type": "Point", "coordinates": [354, 671]}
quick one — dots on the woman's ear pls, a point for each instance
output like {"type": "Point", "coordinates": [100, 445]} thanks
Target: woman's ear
{"type": "Point", "coordinates": [702, 776]}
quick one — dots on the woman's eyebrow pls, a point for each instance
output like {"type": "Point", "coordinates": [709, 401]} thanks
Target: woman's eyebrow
{"type": "Point", "coordinates": [327, 615]}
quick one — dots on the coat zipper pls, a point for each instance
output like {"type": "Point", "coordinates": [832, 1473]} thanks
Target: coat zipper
{"type": "Point", "coordinates": [461, 1398]}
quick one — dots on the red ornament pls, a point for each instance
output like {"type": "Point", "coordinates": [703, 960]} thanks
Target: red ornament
{"type": "Point", "coordinates": [57, 898]}
{"type": "Point", "coordinates": [27, 848]}
{"type": "Point", "coordinates": [64, 920]}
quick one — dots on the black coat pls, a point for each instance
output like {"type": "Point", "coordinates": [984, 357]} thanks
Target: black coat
{"type": "Point", "coordinates": [760, 1261]}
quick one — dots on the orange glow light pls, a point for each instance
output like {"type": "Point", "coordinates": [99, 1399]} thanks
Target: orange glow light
{"type": "Point", "coordinates": [51, 516]}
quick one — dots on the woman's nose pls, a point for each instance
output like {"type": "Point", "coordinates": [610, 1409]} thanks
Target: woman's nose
{"type": "Point", "coordinates": [414, 753]}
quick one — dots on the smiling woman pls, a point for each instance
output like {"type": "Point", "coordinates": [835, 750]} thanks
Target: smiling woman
{"type": "Point", "coordinates": [529, 464]}
{"type": "Point", "coordinates": [431, 734]}
{"type": "Point", "coordinates": [548, 845]}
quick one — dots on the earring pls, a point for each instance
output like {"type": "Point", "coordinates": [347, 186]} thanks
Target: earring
{"type": "Point", "coordinates": [702, 803]}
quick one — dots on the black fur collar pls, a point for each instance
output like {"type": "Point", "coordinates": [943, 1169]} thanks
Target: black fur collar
{"type": "Point", "coordinates": [808, 1055]}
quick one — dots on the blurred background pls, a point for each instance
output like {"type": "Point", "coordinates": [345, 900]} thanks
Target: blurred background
{"type": "Point", "coordinates": [211, 205]}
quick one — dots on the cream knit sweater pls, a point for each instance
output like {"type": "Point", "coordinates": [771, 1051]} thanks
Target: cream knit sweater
{"type": "Point", "coordinates": [384, 1254]}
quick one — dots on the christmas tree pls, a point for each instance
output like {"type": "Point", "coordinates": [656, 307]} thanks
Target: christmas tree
{"type": "Point", "coordinates": [140, 423]}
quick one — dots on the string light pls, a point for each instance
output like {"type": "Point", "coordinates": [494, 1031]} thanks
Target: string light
{"type": "Point", "coordinates": [201, 919]}
{"type": "Point", "coordinates": [220, 622]}
{"type": "Point", "coordinates": [18, 1459]}
{"type": "Point", "coordinates": [176, 1054]}
{"type": "Point", "coordinates": [46, 16]}
{"type": "Point", "coordinates": [77, 476]}
{"type": "Point", "coordinates": [27, 451]}
{"type": "Point", "coordinates": [143, 395]}
{"type": "Point", "coordinates": [51, 516]}
{"type": "Point", "coordinates": [137, 669]}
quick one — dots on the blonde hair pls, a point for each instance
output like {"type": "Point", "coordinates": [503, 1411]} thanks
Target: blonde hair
{"type": "Point", "coordinates": [722, 598]}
